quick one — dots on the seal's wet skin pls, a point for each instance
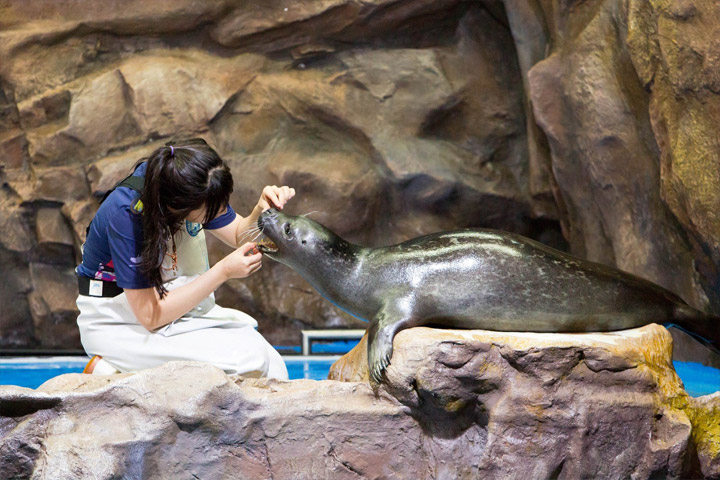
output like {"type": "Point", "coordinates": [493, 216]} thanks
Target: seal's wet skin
{"type": "Point", "coordinates": [475, 279]}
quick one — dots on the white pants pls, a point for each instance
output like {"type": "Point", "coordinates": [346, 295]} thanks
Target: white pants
{"type": "Point", "coordinates": [220, 336]}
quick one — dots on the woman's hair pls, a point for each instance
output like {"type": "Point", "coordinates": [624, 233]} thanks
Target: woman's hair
{"type": "Point", "coordinates": [181, 177]}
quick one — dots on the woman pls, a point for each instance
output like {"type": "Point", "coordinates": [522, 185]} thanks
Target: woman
{"type": "Point", "coordinates": [146, 288]}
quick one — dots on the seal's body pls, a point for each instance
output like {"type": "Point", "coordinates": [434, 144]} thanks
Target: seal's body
{"type": "Point", "coordinates": [476, 279]}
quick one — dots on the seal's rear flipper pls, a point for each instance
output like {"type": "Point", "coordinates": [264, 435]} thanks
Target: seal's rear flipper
{"type": "Point", "coordinates": [705, 328]}
{"type": "Point", "coordinates": [698, 338]}
{"type": "Point", "coordinates": [690, 328]}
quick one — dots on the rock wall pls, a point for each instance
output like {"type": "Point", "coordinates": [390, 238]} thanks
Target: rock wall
{"type": "Point", "coordinates": [391, 118]}
{"type": "Point", "coordinates": [456, 405]}
{"type": "Point", "coordinates": [626, 98]}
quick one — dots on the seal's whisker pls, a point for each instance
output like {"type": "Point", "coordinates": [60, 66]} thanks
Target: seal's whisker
{"type": "Point", "coordinates": [249, 231]}
{"type": "Point", "coordinates": [242, 238]}
{"type": "Point", "coordinates": [254, 227]}
{"type": "Point", "coordinates": [309, 213]}
{"type": "Point", "coordinates": [256, 236]}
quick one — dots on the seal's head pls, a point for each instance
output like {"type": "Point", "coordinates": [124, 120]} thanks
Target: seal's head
{"type": "Point", "coordinates": [299, 242]}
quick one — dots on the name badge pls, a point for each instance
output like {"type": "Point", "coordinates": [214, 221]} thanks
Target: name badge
{"type": "Point", "coordinates": [96, 288]}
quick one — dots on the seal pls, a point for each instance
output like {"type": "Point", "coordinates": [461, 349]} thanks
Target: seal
{"type": "Point", "coordinates": [474, 279]}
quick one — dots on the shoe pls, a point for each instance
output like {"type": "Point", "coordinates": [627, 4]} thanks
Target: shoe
{"type": "Point", "coordinates": [98, 366]}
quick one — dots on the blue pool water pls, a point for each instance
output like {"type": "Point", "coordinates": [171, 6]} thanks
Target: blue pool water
{"type": "Point", "coordinates": [32, 374]}
{"type": "Point", "coordinates": [320, 347]}
{"type": "Point", "coordinates": [332, 347]}
{"type": "Point", "coordinates": [698, 379]}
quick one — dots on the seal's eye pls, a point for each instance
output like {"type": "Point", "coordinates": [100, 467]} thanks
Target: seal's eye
{"type": "Point", "coordinates": [287, 229]}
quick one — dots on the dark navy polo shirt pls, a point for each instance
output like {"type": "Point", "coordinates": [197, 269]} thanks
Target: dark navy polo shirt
{"type": "Point", "coordinates": [114, 243]}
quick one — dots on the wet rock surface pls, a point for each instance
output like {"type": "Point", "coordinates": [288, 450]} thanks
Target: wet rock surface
{"type": "Point", "coordinates": [456, 404]}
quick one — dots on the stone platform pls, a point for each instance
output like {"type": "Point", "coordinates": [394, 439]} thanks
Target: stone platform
{"type": "Point", "coordinates": [456, 404]}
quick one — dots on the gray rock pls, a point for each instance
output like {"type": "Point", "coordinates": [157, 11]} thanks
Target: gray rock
{"type": "Point", "coordinates": [188, 420]}
{"type": "Point", "coordinates": [603, 405]}
{"type": "Point", "coordinates": [457, 404]}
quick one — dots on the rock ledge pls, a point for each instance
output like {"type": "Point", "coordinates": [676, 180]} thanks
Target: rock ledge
{"type": "Point", "coordinates": [457, 404]}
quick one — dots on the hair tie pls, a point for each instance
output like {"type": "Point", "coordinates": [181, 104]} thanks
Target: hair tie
{"type": "Point", "coordinates": [172, 151]}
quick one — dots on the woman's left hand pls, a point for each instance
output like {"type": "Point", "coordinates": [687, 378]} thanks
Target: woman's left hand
{"type": "Point", "coordinates": [274, 196]}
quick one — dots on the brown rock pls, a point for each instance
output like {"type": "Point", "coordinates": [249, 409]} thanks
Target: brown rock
{"type": "Point", "coordinates": [80, 214]}
{"type": "Point", "coordinates": [16, 244]}
{"type": "Point", "coordinates": [59, 184]}
{"type": "Point", "coordinates": [616, 216]}
{"type": "Point", "coordinates": [132, 17]}
{"type": "Point", "coordinates": [165, 94]}
{"type": "Point", "coordinates": [684, 108]}
{"type": "Point", "coordinates": [37, 62]}
{"type": "Point", "coordinates": [277, 25]}
{"type": "Point", "coordinates": [100, 116]}
{"type": "Point", "coordinates": [15, 225]}
{"type": "Point", "coordinates": [49, 108]}
{"type": "Point", "coordinates": [353, 366]}
{"type": "Point", "coordinates": [106, 173]}
{"type": "Point", "coordinates": [13, 149]}
{"type": "Point", "coordinates": [43, 53]}
{"type": "Point", "coordinates": [55, 239]}
{"type": "Point", "coordinates": [143, 98]}
{"type": "Point", "coordinates": [527, 25]}
{"type": "Point", "coordinates": [9, 115]}
{"type": "Point", "coordinates": [53, 308]}
{"type": "Point", "coordinates": [15, 329]}
{"type": "Point", "coordinates": [393, 119]}
{"type": "Point", "coordinates": [102, 111]}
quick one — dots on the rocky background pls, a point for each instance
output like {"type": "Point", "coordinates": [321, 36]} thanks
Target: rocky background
{"type": "Point", "coordinates": [591, 126]}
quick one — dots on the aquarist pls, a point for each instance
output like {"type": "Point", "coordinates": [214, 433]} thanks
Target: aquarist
{"type": "Point", "coordinates": [146, 286]}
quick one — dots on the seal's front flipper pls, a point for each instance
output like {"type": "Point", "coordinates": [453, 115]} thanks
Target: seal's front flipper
{"type": "Point", "coordinates": [379, 349]}
{"type": "Point", "coordinates": [388, 321]}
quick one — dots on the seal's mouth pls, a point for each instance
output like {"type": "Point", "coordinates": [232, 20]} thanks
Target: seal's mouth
{"type": "Point", "coordinates": [267, 246]}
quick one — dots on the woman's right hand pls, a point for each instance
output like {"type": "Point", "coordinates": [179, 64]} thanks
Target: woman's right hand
{"type": "Point", "coordinates": [243, 262]}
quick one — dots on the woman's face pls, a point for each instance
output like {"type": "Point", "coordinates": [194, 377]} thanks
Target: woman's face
{"type": "Point", "coordinates": [198, 216]}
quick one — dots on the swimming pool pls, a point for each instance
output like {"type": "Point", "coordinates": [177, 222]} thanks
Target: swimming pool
{"type": "Point", "coordinates": [32, 372]}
